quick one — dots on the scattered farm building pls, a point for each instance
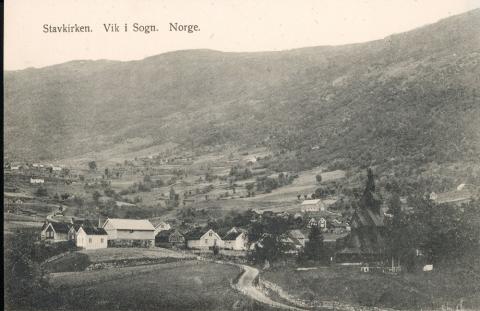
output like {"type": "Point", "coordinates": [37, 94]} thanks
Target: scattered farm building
{"type": "Point", "coordinates": [457, 197]}
{"type": "Point", "coordinates": [312, 205]}
{"type": "Point", "coordinates": [37, 180]}
{"type": "Point", "coordinates": [129, 232]}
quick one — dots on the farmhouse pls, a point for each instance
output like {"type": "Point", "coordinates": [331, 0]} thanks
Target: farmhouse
{"type": "Point", "coordinates": [37, 180]}
{"type": "Point", "coordinates": [54, 232]}
{"type": "Point", "coordinates": [312, 206]}
{"type": "Point", "coordinates": [235, 239]}
{"type": "Point", "coordinates": [76, 224]}
{"type": "Point", "coordinates": [130, 232]}
{"type": "Point", "coordinates": [199, 239]}
{"type": "Point", "coordinates": [91, 238]}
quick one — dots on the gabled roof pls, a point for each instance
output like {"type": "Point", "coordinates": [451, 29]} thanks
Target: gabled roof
{"type": "Point", "coordinates": [198, 233]}
{"type": "Point", "coordinates": [77, 223]}
{"type": "Point", "coordinates": [232, 235]}
{"type": "Point", "coordinates": [130, 224]}
{"type": "Point", "coordinates": [164, 233]}
{"type": "Point", "coordinates": [161, 223]}
{"type": "Point", "coordinates": [94, 231]}
{"type": "Point", "coordinates": [58, 227]}
{"type": "Point", "coordinates": [310, 202]}
{"type": "Point", "coordinates": [297, 234]}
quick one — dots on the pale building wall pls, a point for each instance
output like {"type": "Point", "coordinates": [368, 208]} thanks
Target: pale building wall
{"type": "Point", "coordinates": [135, 235]}
{"type": "Point", "coordinates": [91, 241]}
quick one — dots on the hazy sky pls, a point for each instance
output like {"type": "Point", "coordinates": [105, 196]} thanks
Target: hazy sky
{"type": "Point", "coordinates": [244, 25]}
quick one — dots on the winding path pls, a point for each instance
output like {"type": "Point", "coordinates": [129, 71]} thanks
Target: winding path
{"type": "Point", "coordinates": [246, 286]}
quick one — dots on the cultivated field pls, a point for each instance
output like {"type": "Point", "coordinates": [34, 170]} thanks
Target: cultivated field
{"type": "Point", "coordinates": [305, 184]}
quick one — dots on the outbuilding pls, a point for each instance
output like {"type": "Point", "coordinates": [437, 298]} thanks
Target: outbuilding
{"type": "Point", "coordinates": [130, 232]}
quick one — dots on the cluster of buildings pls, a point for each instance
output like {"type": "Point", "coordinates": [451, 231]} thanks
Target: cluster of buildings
{"type": "Point", "coordinates": [115, 232]}
{"type": "Point", "coordinates": [204, 239]}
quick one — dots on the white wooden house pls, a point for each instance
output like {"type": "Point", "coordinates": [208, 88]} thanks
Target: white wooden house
{"type": "Point", "coordinates": [207, 240]}
{"type": "Point", "coordinates": [235, 239]}
{"type": "Point", "coordinates": [312, 205]}
{"type": "Point", "coordinates": [37, 180]}
{"type": "Point", "coordinates": [130, 232]}
{"type": "Point", "coordinates": [91, 238]}
{"type": "Point", "coordinates": [54, 231]}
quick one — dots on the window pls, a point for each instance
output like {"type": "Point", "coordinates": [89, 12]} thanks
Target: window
{"type": "Point", "coordinates": [101, 240]}
{"type": "Point", "coordinates": [210, 234]}
{"type": "Point", "coordinates": [50, 235]}
{"type": "Point", "coordinates": [89, 240]}
{"type": "Point", "coordinates": [206, 241]}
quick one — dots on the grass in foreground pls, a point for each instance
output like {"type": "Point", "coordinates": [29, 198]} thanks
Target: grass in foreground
{"type": "Point", "coordinates": [407, 291]}
{"type": "Point", "coordinates": [190, 285]}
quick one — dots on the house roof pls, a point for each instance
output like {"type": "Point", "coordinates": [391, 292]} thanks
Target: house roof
{"type": "Point", "coordinates": [77, 223]}
{"type": "Point", "coordinates": [297, 234]}
{"type": "Point", "coordinates": [131, 224]}
{"type": "Point", "coordinates": [164, 233]}
{"type": "Point", "coordinates": [311, 202]}
{"type": "Point", "coordinates": [232, 235]}
{"type": "Point", "coordinates": [59, 227]}
{"type": "Point", "coordinates": [196, 234]}
{"type": "Point", "coordinates": [94, 231]}
{"type": "Point", "coordinates": [453, 196]}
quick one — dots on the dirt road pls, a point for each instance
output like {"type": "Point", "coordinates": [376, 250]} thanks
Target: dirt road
{"type": "Point", "coordinates": [246, 285]}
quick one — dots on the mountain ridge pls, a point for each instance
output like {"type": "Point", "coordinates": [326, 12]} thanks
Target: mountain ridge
{"type": "Point", "coordinates": [407, 86]}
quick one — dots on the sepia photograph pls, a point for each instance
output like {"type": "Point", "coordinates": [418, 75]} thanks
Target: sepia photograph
{"type": "Point", "coordinates": [211, 155]}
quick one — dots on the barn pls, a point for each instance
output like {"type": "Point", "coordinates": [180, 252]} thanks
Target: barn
{"type": "Point", "coordinates": [129, 232]}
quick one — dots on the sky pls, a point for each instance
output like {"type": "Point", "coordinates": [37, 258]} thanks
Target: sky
{"type": "Point", "coordinates": [225, 25]}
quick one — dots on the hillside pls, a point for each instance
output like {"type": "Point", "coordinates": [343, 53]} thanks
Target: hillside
{"type": "Point", "coordinates": [412, 96]}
